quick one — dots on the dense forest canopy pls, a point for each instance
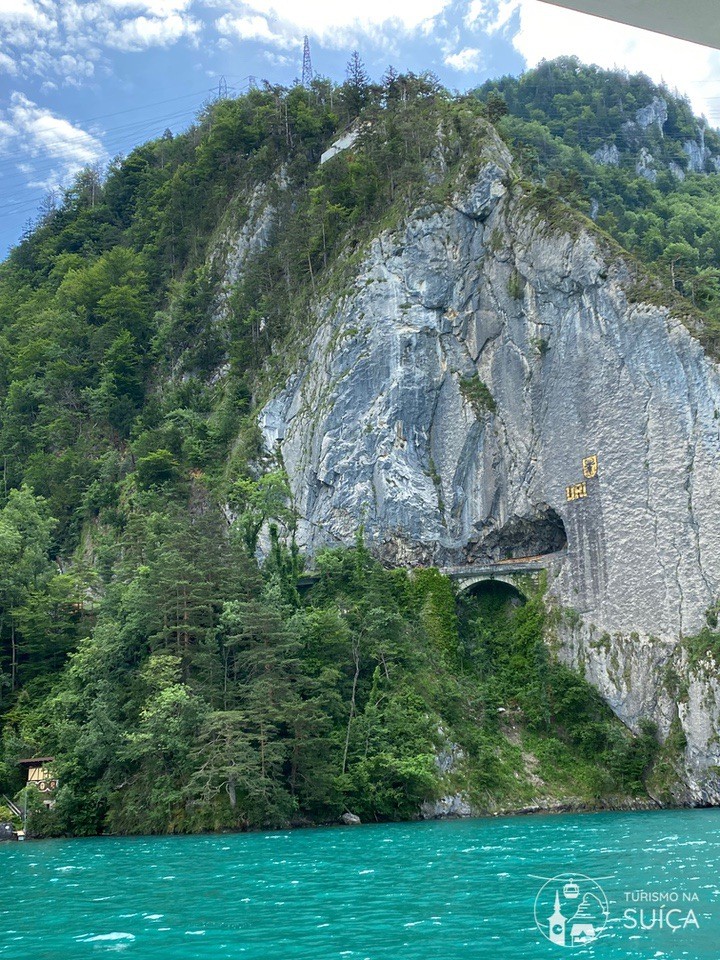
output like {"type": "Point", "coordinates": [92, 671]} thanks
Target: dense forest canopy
{"type": "Point", "coordinates": [179, 683]}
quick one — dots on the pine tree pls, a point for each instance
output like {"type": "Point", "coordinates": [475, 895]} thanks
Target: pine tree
{"type": "Point", "coordinates": [357, 85]}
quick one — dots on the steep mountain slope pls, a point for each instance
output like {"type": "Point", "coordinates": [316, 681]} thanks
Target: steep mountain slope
{"type": "Point", "coordinates": [230, 351]}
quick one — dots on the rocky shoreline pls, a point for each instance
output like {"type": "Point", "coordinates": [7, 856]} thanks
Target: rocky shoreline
{"type": "Point", "coordinates": [459, 808]}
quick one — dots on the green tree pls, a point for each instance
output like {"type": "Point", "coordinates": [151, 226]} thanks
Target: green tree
{"type": "Point", "coordinates": [25, 571]}
{"type": "Point", "coordinates": [357, 84]}
{"type": "Point", "coordinates": [496, 106]}
{"type": "Point", "coordinates": [258, 501]}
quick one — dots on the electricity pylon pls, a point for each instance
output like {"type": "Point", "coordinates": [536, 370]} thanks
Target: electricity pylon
{"type": "Point", "coordinates": [307, 70]}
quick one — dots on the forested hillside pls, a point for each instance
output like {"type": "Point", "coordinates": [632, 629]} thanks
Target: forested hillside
{"type": "Point", "coordinates": [628, 154]}
{"type": "Point", "coordinates": [175, 671]}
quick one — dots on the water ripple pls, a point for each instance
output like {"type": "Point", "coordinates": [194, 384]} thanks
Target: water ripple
{"type": "Point", "coordinates": [425, 891]}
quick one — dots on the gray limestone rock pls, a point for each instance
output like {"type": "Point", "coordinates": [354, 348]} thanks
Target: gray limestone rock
{"type": "Point", "coordinates": [645, 166]}
{"type": "Point", "coordinates": [350, 819]}
{"type": "Point", "coordinates": [656, 112]}
{"type": "Point", "coordinates": [342, 143]}
{"type": "Point", "coordinates": [379, 426]}
{"type": "Point", "coordinates": [454, 805]}
{"type": "Point", "coordinates": [677, 171]}
{"type": "Point", "coordinates": [608, 154]}
{"type": "Point", "coordinates": [239, 244]}
{"type": "Point", "coordinates": [696, 153]}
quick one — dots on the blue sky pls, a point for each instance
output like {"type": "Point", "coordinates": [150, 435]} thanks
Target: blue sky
{"type": "Point", "coordinates": [84, 80]}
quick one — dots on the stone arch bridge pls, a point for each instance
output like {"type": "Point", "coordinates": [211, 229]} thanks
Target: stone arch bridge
{"type": "Point", "coordinates": [514, 572]}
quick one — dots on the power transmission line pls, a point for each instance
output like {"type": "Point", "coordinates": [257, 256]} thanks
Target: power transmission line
{"type": "Point", "coordinates": [119, 139]}
{"type": "Point", "coordinates": [132, 125]}
{"type": "Point", "coordinates": [18, 202]}
{"type": "Point", "coordinates": [144, 106]}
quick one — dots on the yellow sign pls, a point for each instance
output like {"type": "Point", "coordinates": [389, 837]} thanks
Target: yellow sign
{"type": "Point", "coordinates": [576, 491]}
{"type": "Point", "coordinates": [590, 467]}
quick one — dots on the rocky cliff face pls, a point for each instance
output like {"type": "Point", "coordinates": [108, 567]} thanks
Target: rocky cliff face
{"type": "Point", "coordinates": [449, 398]}
{"type": "Point", "coordinates": [641, 137]}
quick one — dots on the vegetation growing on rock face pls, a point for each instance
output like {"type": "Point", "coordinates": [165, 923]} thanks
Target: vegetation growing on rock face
{"type": "Point", "coordinates": [477, 395]}
{"type": "Point", "coordinates": [179, 684]}
{"type": "Point", "coordinates": [703, 646]}
{"type": "Point", "coordinates": [573, 741]}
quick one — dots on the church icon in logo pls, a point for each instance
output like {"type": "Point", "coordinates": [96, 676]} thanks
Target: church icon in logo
{"type": "Point", "coordinates": [571, 910]}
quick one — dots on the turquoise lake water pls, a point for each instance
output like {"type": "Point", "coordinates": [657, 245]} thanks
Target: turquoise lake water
{"type": "Point", "coordinates": [423, 891]}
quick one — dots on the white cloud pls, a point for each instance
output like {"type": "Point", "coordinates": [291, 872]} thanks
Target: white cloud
{"type": "Point", "coordinates": [64, 39]}
{"type": "Point", "coordinates": [7, 133]}
{"type": "Point", "coordinates": [467, 60]}
{"type": "Point", "coordinates": [278, 59]}
{"type": "Point", "coordinates": [8, 65]}
{"type": "Point", "coordinates": [28, 12]}
{"type": "Point", "coordinates": [490, 15]}
{"type": "Point", "coordinates": [47, 149]}
{"type": "Point", "coordinates": [70, 69]}
{"type": "Point", "coordinates": [543, 31]}
{"type": "Point", "coordinates": [255, 28]}
{"type": "Point", "coordinates": [152, 8]}
{"type": "Point", "coordinates": [34, 34]}
{"type": "Point", "coordinates": [476, 12]}
{"type": "Point", "coordinates": [335, 24]}
{"type": "Point", "coordinates": [143, 32]}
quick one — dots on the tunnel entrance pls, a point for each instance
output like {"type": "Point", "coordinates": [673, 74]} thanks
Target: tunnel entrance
{"type": "Point", "coordinates": [495, 593]}
{"type": "Point", "coordinates": [521, 537]}
{"type": "Point", "coordinates": [488, 602]}
{"type": "Point", "coordinates": [490, 613]}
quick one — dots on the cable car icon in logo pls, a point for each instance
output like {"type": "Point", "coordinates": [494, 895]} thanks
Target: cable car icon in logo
{"type": "Point", "coordinates": [571, 910]}
{"type": "Point", "coordinates": [571, 891]}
